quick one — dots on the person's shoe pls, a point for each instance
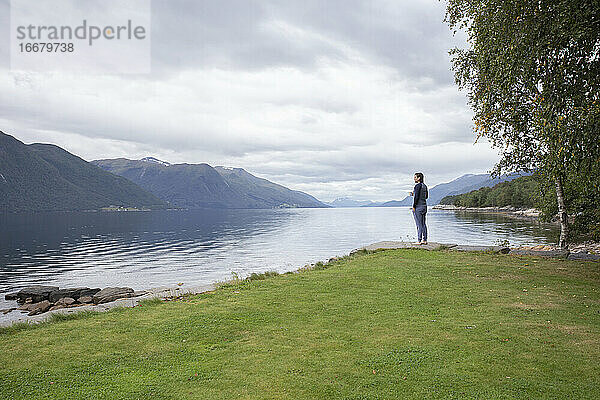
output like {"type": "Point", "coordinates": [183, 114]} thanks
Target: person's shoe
{"type": "Point", "coordinates": [423, 241]}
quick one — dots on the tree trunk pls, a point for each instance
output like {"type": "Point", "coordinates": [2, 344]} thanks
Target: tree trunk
{"type": "Point", "coordinates": [562, 214]}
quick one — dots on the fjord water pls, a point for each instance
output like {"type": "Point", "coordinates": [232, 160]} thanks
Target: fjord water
{"type": "Point", "coordinates": [157, 248]}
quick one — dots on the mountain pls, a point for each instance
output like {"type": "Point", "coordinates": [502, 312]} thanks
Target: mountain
{"type": "Point", "coordinates": [45, 177]}
{"type": "Point", "coordinates": [266, 194]}
{"type": "Point", "coordinates": [463, 184]}
{"type": "Point", "coordinates": [342, 202]}
{"type": "Point", "coordinates": [391, 203]}
{"type": "Point", "coordinates": [202, 186]}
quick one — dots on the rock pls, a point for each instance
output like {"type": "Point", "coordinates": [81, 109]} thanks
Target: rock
{"type": "Point", "coordinates": [407, 245]}
{"type": "Point", "coordinates": [541, 253]}
{"type": "Point", "coordinates": [73, 293]}
{"type": "Point", "coordinates": [28, 300]}
{"type": "Point", "coordinates": [7, 310]}
{"type": "Point", "coordinates": [87, 293]}
{"type": "Point", "coordinates": [56, 307]}
{"type": "Point", "coordinates": [112, 293]}
{"type": "Point", "coordinates": [582, 256]}
{"type": "Point", "coordinates": [25, 307]}
{"type": "Point", "coordinates": [40, 307]}
{"type": "Point", "coordinates": [37, 293]}
{"type": "Point", "coordinates": [85, 299]}
{"type": "Point", "coordinates": [11, 296]}
{"type": "Point", "coordinates": [493, 249]}
{"type": "Point", "coordinates": [65, 301]}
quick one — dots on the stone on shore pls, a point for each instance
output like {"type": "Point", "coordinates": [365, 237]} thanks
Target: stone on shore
{"type": "Point", "coordinates": [25, 307]}
{"type": "Point", "coordinates": [11, 296]}
{"type": "Point", "coordinates": [65, 301]}
{"type": "Point", "coordinates": [111, 294]}
{"type": "Point", "coordinates": [582, 256]}
{"type": "Point", "coordinates": [86, 299]}
{"type": "Point", "coordinates": [87, 292]}
{"type": "Point", "coordinates": [73, 293]}
{"type": "Point", "coordinates": [40, 307]}
{"type": "Point", "coordinates": [493, 249]}
{"type": "Point", "coordinates": [37, 293]}
{"type": "Point", "coordinates": [541, 253]}
{"type": "Point", "coordinates": [407, 245]}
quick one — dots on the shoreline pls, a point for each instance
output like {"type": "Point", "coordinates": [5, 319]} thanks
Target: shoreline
{"type": "Point", "coordinates": [169, 292]}
{"type": "Point", "coordinates": [530, 214]}
{"type": "Point", "coordinates": [163, 292]}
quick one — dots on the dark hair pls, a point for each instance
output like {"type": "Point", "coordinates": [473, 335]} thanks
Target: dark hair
{"type": "Point", "coordinates": [420, 176]}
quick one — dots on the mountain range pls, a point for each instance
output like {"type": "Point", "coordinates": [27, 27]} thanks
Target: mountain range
{"type": "Point", "coordinates": [203, 186]}
{"type": "Point", "coordinates": [460, 185]}
{"type": "Point", "coordinates": [44, 177]}
{"type": "Point", "coordinates": [345, 202]}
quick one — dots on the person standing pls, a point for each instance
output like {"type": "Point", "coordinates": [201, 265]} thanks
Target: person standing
{"type": "Point", "coordinates": [419, 208]}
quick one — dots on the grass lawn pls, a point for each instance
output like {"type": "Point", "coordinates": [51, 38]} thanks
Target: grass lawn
{"type": "Point", "coordinates": [397, 324]}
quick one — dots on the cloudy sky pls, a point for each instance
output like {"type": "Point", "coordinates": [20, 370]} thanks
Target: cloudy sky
{"type": "Point", "coordinates": [335, 98]}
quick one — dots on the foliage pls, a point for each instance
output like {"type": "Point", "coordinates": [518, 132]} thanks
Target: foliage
{"type": "Point", "coordinates": [532, 70]}
{"type": "Point", "coordinates": [391, 324]}
{"type": "Point", "coordinates": [257, 277]}
{"type": "Point", "coordinates": [520, 193]}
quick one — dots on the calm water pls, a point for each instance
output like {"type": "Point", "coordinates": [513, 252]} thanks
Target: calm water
{"type": "Point", "coordinates": [150, 249]}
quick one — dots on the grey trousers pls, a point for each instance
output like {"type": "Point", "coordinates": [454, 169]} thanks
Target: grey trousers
{"type": "Point", "coordinates": [419, 214]}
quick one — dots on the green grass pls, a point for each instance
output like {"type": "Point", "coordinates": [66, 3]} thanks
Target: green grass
{"type": "Point", "coordinates": [400, 324]}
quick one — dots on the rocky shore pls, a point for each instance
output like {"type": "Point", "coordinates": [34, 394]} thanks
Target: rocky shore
{"type": "Point", "coordinates": [530, 213]}
{"type": "Point", "coordinates": [37, 303]}
{"type": "Point", "coordinates": [38, 299]}
{"type": "Point", "coordinates": [580, 252]}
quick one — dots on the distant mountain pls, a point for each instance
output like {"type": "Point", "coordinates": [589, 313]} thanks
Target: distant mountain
{"type": "Point", "coordinates": [460, 185]}
{"type": "Point", "coordinates": [266, 194]}
{"type": "Point", "coordinates": [343, 202]}
{"type": "Point", "coordinates": [391, 203]}
{"type": "Point", "coordinates": [202, 186]}
{"type": "Point", "coordinates": [45, 177]}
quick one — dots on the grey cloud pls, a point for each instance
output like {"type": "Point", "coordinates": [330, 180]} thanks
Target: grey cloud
{"type": "Point", "coordinates": [407, 36]}
{"type": "Point", "coordinates": [332, 97]}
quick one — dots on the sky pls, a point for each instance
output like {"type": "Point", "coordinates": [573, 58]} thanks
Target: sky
{"type": "Point", "coordinates": [337, 98]}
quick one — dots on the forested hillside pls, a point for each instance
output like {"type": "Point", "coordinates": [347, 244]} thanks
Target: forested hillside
{"type": "Point", "coordinates": [521, 193]}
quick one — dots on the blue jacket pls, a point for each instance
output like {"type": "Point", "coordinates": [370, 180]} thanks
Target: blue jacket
{"type": "Point", "coordinates": [420, 194]}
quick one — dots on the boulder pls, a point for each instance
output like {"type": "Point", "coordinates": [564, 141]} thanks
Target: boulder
{"type": "Point", "coordinates": [26, 306]}
{"type": "Point", "coordinates": [493, 249]}
{"type": "Point", "coordinates": [583, 256]}
{"type": "Point", "coordinates": [7, 310]}
{"type": "Point", "coordinates": [11, 296]}
{"type": "Point", "coordinates": [56, 307]}
{"type": "Point", "coordinates": [37, 293]}
{"type": "Point", "coordinates": [85, 299]}
{"type": "Point", "coordinates": [541, 253]}
{"type": "Point", "coordinates": [73, 293]}
{"type": "Point", "coordinates": [112, 293]}
{"type": "Point", "coordinates": [40, 307]}
{"type": "Point", "coordinates": [65, 301]}
{"type": "Point", "coordinates": [87, 292]}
